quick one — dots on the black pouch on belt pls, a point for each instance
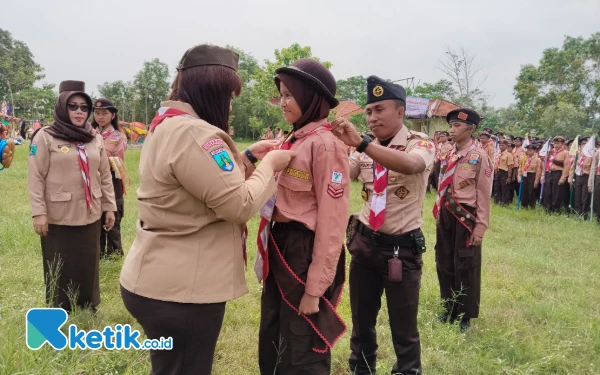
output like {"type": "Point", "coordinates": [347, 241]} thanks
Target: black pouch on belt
{"type": "Point", "coordinates": [351, 228]}
{"type": "Point", "coordinates": [395, 267]}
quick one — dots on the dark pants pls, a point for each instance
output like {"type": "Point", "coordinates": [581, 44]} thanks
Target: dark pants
{"type": "Point", "coordinates": [502, 190]}
{"type": "Point", "coordinates": [437, 167]}
{"type": "Point", "coordinates": [110, 242]}
{"type": "Point", "coordinates": [194, 327]}
{"type": "Point", "coordinates": [368, 280]}
{"type": "Point", "coordinates": [581, 196]}
{"type": "Point", "coordinates": [71, 256]}
{"type": "Point", "coordinates": [554, 194]}
{"type": "Point", "coordinates": [597, 197]}
{"type": "Point", "coordinates": [528, 192]}
{"type": "Point", "coordinates": [458, 267]}
{"type": "Point", "coordinates": [285, 339]}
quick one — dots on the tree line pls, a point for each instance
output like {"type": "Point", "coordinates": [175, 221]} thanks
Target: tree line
{"type": "Point", "coordinates": [559, 95]}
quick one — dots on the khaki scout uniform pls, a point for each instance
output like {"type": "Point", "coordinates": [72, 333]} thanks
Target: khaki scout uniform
{"type": "Point", "coordinates": [502, 190]}
{"type": "Point", "coordinates": [371, 252]}
{"type": "Point", "coordinates": [115, 145]}
{"type": "Point", "coordinates": [311, 210]}
{"type": "Point", "coordinates": [556, 189]}
{"type": "Point", "coordinates": [193, 204]}
{"type": "Point", "coordinates": [465, 213]}
{"type": "Point", "coordinates": [530, 179]}
{"type": "Point", "coordinates": [56, 189]}
{"type": "Point", "coordinates": [581, 196]}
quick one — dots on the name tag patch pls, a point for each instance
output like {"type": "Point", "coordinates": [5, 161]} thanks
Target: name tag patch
{"type": "Point", "coordinates": [223, 159]}
{"type": "Point", "coordinates": [212, 143]}
{"type": "Point", "coordinates": [468, 165]}
{"type": "Point", "coordinates": [298, 174]}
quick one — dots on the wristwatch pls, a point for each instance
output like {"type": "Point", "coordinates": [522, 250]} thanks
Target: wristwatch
{"type": "Point", "coordinates": [365, 142]}
{"type": "Point", "coordinates": [250, 156]}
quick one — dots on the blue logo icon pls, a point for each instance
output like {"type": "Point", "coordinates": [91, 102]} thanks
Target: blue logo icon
{"type": "Point", "coordinates": [43, 326]}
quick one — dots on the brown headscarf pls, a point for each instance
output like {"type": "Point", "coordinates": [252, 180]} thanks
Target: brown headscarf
{"type": "Point", "coordinates": [312, 103]}
{"type": "Point", "coordinates": [62, 128]}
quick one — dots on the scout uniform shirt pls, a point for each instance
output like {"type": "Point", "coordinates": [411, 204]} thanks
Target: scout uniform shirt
{"type": "Point", "coordinates": [193, 203]}
{"type": "Point", "coordinates": [472, 184]}
{"type": "Point", "coordinates": [405, 193]}
{"type": "Point", "coordinates": [581, 165]}
{"type": "Point", "coordinates": [564, 159]}
{"type": "Point", "coordinates": [535, 166]}
{"type": "Point", "coordinates": [490, 149]}
{"type": "Point", "coordinates": [56, 187]}
{"type": "Point", "coordinates": [315, 190]}
{"type": "Point", "coordinates": [506, 161]}
{"type": "Point", "coordinates": [518, 156]}
{"type": "Point", "coordinates": [595, 168]}
{"type": "Point", "coordinates": [115, 142]}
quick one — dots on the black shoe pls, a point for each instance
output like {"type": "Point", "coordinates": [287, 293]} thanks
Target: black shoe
{"type": "Point", "coordinates": [465, 324]}
{"type": "Point", "coordinates": [445, 318]}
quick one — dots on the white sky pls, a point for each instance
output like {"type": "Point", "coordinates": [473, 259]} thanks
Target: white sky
{"type": "Point", "coordinates": [98, 41]}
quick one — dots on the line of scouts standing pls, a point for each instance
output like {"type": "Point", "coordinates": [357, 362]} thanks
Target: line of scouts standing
{"type": "Point", "coordinates": [188, 256]}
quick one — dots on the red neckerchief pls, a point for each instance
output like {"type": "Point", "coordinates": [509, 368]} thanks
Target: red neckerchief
{"type": "Point", "coordinates": [529, 159]}
{"type": "Point", "coordinates": [552, 157]}
{"type": "Point", "coordinates": [579, 169]}
{"type": "Point", "coordinates": [164, 113]}
{"type": "Point", "coordinates": [105, 134]}
{"type": "Point", "coordinates": [84, 166]}
{"type": "Point", "coordinates": [379, 199]}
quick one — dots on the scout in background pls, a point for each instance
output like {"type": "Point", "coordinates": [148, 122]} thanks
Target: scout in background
{"type": "Point", "coordinates": [462, 211]}
{"type": "Point", "coordinates": [385, 239]}
{"type": "Point", "coordinates": [302, 262]}
{"type": "Point", "coordinates": [556, 174]}
{"type": "Point", "coordinates": [196, 194]}
{"type": "Point", "coordinates": [503, 175]}
{"type": "Point", "coordinates": [106, 122]}
{"type": "Point", "coordinates": [530, 174]}
{"type": "Point", "coordinates": [594, 182]}
{"type": "Point", "coordinates": [579, 180]}
{"type": "Point", "coordinates": [70, 187]}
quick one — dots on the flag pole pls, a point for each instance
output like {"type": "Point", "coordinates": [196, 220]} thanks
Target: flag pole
{"type": "Point", "coordinates": [573, 185]}
{"type": "Point", "coordinates": [592, 200]}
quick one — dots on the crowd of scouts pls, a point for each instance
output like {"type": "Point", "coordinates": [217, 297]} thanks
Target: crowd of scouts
{"type": "Point", "coordinates": [538, 172]}
{"type": "Point", "coordinates": [197, 192]}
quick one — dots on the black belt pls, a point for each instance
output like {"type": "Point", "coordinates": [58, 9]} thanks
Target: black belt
{"type": "Point", "coordinates": [382, 239]}
{"type": "Point", "coordinates": [292, 225]}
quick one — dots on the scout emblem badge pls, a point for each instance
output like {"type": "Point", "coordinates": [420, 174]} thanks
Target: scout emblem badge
{"type": "Point", "coordinates": [222, 158]}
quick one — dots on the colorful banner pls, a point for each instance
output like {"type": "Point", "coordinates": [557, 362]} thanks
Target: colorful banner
{"type": "Point", "coordinates": [416, 107]}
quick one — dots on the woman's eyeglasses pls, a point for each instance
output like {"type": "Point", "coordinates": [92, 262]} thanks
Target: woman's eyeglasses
{"type": "Point", "coordinates": [74, 107]}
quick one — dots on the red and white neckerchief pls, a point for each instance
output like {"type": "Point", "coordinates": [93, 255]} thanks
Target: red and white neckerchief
{"type": "Point", "coordinates": [84, 166]}
{"type": "Point", "coordinates": [579, 168]}
{"type": "Point", "coordinates": [164, 113]}
{"type": "Point", "coordinates": [552, 157]}
{"type": "Point", "coordinates": [379, 200]}
{"type": "Point", "coordinates": [446, 179]}
{"type": "Point", "coordinates": [261, 265]}
{"type": "Point", "coordinates": [105, 134]}
{"type": "Point", "coordinates": [598, 169]}
{"type": "Point", "coordinates": [527, 163]}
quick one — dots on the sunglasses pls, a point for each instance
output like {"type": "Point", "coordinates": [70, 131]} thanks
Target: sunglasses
{"type": "Point", "coordinates": [74, 107]}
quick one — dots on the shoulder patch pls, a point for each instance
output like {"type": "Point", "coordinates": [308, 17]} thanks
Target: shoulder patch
{"type": "Point", "coordinates": [32, 150]}
{"type": "Point", "coordinates": [222, 159]}
{"type": "Point", "coordinates": [425, 144]}
{"type": "Point", "coordinates": [212, 143]}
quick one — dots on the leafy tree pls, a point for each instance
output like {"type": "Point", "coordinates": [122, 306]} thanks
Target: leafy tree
{"type": "Point", "coordinates": [151, 86]}
{"type": "Point", "coordinates": [440, 90]}
{"type": "Point", "coordinates": [17, 66]}
{"type": "Point", "coordinates": [360, 122]}
{"type": "Point", "coordinates": [353, 89]}
{"type": "Point", "coordinates": [567, 78]}
{"type": "Point", "coordinates": [36, 103]}
{"type": "Point", "coordinates": [564, 119]}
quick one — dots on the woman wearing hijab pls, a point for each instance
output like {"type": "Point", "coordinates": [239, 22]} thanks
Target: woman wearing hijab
{"type": "Point", "coordinates": [70, 187]}
{"type": "Point", "coordinates": [106, 122]}
{"type": "Point", "coordinates": [302, 269]}
{"type": "Point", "coordinates": [196, 194]}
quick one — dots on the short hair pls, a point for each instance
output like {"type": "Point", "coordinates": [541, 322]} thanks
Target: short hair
{"type": "Point", "coordinates": [399, 103]}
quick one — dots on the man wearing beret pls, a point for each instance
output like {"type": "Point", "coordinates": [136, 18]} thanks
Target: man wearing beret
{"type": "Point", "coordinates": [385, 240]}
{"type": "Point", "coordinates": [462, 211]}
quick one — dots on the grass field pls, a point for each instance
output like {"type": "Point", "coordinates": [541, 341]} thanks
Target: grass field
{"type": "Point", "coordinates": [540, 310]}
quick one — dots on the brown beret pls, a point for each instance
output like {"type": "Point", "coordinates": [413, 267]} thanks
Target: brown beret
{"type": "Point", "coordinates": [71, 86]}
{"type": "Point", "coordinates": [206, 54]}
{"type": "Point", "coordinates": [559, 139]}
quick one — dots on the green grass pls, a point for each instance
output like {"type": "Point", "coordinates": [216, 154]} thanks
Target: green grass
{"type": "Point", "coordinates": [540, 310]}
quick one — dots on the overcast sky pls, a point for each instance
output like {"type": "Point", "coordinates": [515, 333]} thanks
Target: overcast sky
{"type": "Point", "coordinates": [98, 41]}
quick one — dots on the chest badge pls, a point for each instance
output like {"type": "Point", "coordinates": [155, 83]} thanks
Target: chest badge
{"type": "Point", "coordinates": [364, 195]}
{"type": "Point", "coordinates": [64, 149]}
{"type": "Point", "coordinates": [402, 192]}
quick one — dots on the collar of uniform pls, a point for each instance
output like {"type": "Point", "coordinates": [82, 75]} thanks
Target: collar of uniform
{"type": "Point", "coordinates": [463, 151]}
{"type": "Point", "coordinates": [108, 128]}
{"type": "Point", "coordinates": [400, 139]}
{"type": "Point", "coordinates": [308, 128]}
{"type": "Point", "coordinates": [180, 106]}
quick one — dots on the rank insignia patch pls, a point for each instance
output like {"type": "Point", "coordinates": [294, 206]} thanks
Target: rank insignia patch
{"type": "Point", "coordinates": [335, 193]}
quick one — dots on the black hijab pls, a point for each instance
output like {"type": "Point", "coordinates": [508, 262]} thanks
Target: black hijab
{"type": "Point", "coordinates": [62, 128]}
{"type": "Point", "coordinates": [312, 103]}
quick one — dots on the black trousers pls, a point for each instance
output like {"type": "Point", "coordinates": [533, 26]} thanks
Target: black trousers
{"type": "Point", "coordinates": [72, 265]}
{"type": "Point", "coordinates": [528, 192]}
{"type": "Point", "coordinates": [437, 167]}
{"type": "Point", "coordinates": [581, 195]}
{"type": "Point", "coordinates": [597, 197]}
{"type": "Point", "coordinates": [285, 339]}
{"type": "Point", "coordinates": [555, 196]}
{"type": "Point", "coordinates": [110, 242]}
{"type": "Point", "coordinates": [502, 190]}
{"type": "Point", "coordinates": [458, 267]}
{"type": "Point", "coordinates": [368, 281]}
{"type": "Point", "coordinates": [194, 328]}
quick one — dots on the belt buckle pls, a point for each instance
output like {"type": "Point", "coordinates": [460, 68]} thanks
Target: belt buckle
{"type": "Point", "coordinates": [376, 238]}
